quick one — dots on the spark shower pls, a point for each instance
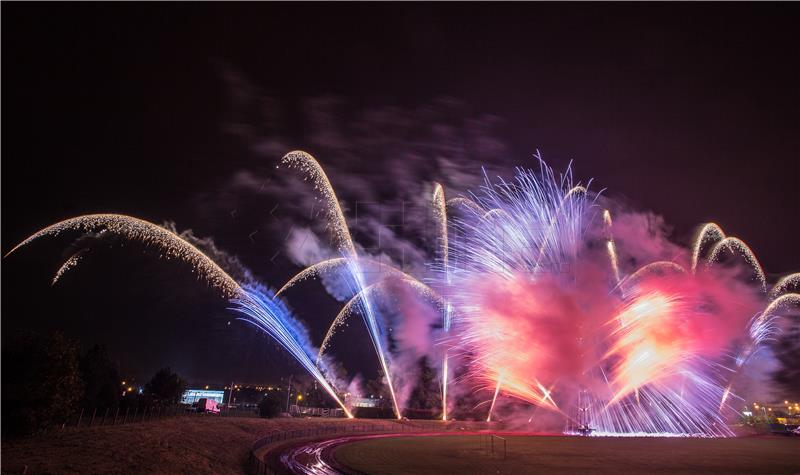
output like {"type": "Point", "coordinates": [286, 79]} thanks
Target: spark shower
{"type": "Point", "coordinates": [545, 295]}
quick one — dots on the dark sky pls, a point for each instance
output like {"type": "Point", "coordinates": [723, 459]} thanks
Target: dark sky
{"type": "Point", "coordinates": [689, 110]}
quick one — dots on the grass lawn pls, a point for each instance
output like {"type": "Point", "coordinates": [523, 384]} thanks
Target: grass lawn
{"type": "Point", "coordinates": [561, 455]}
{"type": "Point", "coordinates": [186, 444]}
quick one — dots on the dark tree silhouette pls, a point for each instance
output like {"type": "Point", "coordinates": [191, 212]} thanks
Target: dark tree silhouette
{"type": "Point", "coordinates": [41, 382]}
{"type": "Point", "coordinates": [165, 388]}
{"type": "Point", "coordinates": [100, 378]}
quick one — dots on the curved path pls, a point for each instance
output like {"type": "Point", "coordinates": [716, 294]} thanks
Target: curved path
{"type": "Point", "coordinates": [773, 455]}
{"type": "Point", "coordinates": [316, 457]}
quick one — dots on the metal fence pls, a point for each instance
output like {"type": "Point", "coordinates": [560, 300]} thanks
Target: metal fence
{"type": "Point", "coordinates": [108, 417]}
{"type": "Point", "coordinates": [493, 444]}
{"type": "Point", "coordinates": [296, 410]}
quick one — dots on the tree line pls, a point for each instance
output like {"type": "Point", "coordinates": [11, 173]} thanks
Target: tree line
{"type": "Point", "coordinates": [47, 380]}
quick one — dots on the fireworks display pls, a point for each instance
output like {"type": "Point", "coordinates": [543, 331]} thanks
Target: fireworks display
{"type": "Point", "coordinates": [547, 296]}
{"type": "Point", "coordinates": [550, 316]}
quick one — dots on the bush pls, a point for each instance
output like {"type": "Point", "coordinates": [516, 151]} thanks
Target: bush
{"type": "Point", "coordinates": [270, 406]}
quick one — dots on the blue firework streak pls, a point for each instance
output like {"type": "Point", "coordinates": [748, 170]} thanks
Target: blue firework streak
{"type": "Point", "coordinates": [271, 316]}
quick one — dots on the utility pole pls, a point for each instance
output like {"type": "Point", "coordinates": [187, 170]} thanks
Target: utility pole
{"type": "Point", "coordinates": [289, 392]}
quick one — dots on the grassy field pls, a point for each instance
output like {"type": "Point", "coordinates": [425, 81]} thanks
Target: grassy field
{"type": "Point", "coordinates": [554, 455]}
{"type": "Point", "coordinates": [196, 444]}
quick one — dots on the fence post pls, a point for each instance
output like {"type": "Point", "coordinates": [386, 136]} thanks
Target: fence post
{"type": "Point", "coordinates": [135, 413]}
{"type": "Point", "coordinates": [115, 416]}
{"type": "Point", "coordinates": [104, 417]}
{"type": "Point", "coordinates": [78, 424]}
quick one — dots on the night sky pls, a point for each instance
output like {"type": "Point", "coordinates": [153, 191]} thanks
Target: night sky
{"type": "Point", "coordinates": [180, 113]}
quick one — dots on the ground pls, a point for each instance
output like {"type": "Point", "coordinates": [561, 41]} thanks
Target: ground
{"type": "Point", "coordinates": [174, 445]}
{"type": "Point", "coordinates": [208, 444]}
{"type": "Point", "coordinates": [197, 444]}
{"type": "Point", "coordinates": [555, 455]}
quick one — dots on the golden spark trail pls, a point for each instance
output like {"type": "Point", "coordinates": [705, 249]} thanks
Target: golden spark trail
{"type": "Point", "coordinates": [466, 203]}
{"type": "Point", "coordinates": [312, 271]}
{"type": "Point", "coordinates": [784, 284]}
{"type": "Point", "coordinates": [351, 304]}
{"type": "Point", "coordinates": [736, 244]}
{"type": "Point", "coordinates": [783, 300]}
{"type": "Point", "coordinates": [70, 263]}
{"type": "Point", "coordinates": [612, 248]}
{"type": "Point", "coordinates": [709, 232]}
{"type": "Point", "coordinates": [440, 213]}
{"type": "Point", "coordinates": [496, 213]}
{"type": "Point", "coordinates": [149, 234]}
{"type": "Point", "coordinates": [331, 264]}
{"type": "Point", "coordinates": [309, 165]}
{"type": "Point", "coordinates": [652, 268]}
{"type": "Point", "coordinates": [342, 316]}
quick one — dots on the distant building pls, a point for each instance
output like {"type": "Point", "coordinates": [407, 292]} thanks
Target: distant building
{"type": "Point", "coordinates": [365, 402]}
{"type": "Point", "coordinates": [190, 396]}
